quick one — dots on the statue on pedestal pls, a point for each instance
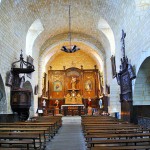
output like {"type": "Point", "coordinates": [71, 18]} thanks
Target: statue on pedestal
{"type": "Point", "coordinates": [56, 102]}
{"type": "Point", "coordinates": [44, 103]}
{"type": "Point", "coordinates": [73, 83]}
{"type": "Point", "coordinates": [89, 106]}
{"type": "Point", "coordinates": [57, 107]}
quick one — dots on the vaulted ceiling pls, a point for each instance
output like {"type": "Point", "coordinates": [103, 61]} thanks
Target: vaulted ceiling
{"type": "Point", "coordinates": [93, 22]}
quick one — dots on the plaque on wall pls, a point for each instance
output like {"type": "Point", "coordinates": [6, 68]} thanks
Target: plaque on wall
{"type": "Point", "coordinates": [113, 65]}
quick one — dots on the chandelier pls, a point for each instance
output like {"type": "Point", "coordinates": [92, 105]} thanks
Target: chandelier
{"type": "Point", "coordinates": [70, 48]}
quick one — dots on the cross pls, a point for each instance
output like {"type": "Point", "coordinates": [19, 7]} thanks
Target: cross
{"type": "Point", "coordinates": [123, 43]}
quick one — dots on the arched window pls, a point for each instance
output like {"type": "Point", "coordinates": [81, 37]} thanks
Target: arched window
{"type": "Point", "coordinates": [35, 29]}
{"type": "Point", "coordinates": [104, 27]}
{"type": "Point", "coordinates": [142, 4]}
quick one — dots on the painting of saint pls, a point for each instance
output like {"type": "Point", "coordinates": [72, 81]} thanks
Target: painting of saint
{"type": "Point", "coordinates": [88, 85]}
{"type": "Point", "coordinates": [57, 86]}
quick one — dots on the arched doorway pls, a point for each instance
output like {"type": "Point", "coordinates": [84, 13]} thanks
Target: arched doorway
{"type": "Point", "coordinates": [141, 97]}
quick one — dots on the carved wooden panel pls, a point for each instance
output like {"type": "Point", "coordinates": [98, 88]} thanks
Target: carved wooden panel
{"type": "Point", "coordinates": [56, 81]}
{"type": "Point", "coordinates": [86, 84]}
{"type": "Point", "coordinates": [89, 84]}
{"type": "Point", "coordinates": [127, 111]}
{"type": "Point", "coordinates": [70, 74]}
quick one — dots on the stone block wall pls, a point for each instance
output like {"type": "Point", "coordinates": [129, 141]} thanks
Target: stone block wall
{"type": "Point", "coordinates": [131, 15]}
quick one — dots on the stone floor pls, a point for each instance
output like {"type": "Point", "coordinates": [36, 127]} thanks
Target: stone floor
{"type": "Point", "coordinates": [69, 136]}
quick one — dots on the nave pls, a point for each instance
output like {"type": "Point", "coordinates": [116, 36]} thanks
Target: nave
{"type": "Point", "coordinates": [73, 133]}
{"type": "Point", "coordinates": [69, 136]}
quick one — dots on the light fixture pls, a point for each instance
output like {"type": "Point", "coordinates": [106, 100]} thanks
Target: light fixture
{"type": "Point", "coordinates": [70, 48]}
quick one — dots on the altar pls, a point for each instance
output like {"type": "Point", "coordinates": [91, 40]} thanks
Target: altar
{"type": "Point", "coordinates": [73, 98]}
{"type": "Point", "coordinates": [72, 109]}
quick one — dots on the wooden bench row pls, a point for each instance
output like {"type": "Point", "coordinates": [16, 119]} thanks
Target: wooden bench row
{"type": "Point", "coordinates": [30, 134]}
{"type": "Point", "coordinates": [118, 134]}
{"type": "Point", "coordinates": [145, 147]}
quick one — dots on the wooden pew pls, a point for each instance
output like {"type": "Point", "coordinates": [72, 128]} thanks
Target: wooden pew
{"type": "Point", "coordinates": [7, 148]}
{"type": "Point", "coordinates": [51, 126]}
{"type": "Point", "coordinates": [92, 131]}
{"type": "Point", "coordinates": [34, 131]}
{"type": "Point", "coordinates": [128, 135]}
{"type": "Point", "coordinates": [17, 129]}
{"type": "Point", "coordinates": [14, 142]}
{"type": "Point", "coordinates": [119, 141]}
{"type": "Point", "coordinates": [145, 147]}
{"type": "Point", "coordinates": [110, 131]}
{"type": "Point", "coordinates": [35, 137]}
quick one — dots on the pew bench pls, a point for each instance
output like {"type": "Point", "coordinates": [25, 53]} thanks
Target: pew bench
{"type": "Point", "coordinates": [36, 138]}
{"type": "Point", "coordinates": [7, 148]}
{"type": "Point", "coordinates": [119, 141]}
{"type": "Point", "coordinates": [92, 132]}
{"type": "Point", "coordinates": [98, 131]}
{"type": "Point", "coordinates": [117, 136]}
{"type": "Point", "coordinates": [22, 130]}
{"type": "Point", "coordinates": [50, 132]}
{"type": "Point", "coordinates": [144, 147]}
{"type": "Point", "coordinates": [15, 142]}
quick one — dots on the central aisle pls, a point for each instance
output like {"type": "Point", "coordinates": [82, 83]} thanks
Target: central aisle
{"type": "Point", "coordinates": [69, 136]}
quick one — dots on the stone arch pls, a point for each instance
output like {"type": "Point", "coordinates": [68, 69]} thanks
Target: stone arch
{"type": "Point", "coordinates": [142, 84]}
{"type": "Point", "coordinates": [3, 102]}
{"type": "Point", "coordinates": [35, 29]}
{"type": "Point", "coordinates": [27, 85]}
{"type": "Point", "coordinates": [104, 27]}
{"type": "Point", "coordinates": [144, 55]}
{"type": "Point", "coordinates": [48, 52]}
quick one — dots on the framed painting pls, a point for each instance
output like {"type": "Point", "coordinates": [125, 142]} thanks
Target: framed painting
{"type": "Point", "coordinates": [88, 85]}
{"type": "Point", "coordinates": [30, 60]}
{"type": "Point", "coordinates": [113, 65]}
{"type": "Point", "coordinates": [57, 86]}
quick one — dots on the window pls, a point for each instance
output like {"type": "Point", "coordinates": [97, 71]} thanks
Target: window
{"type": "Point", "coordinates": [35, 29]}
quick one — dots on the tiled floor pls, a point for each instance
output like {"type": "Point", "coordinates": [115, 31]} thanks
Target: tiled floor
{"type": "Point", "coordinates": [69, 137]}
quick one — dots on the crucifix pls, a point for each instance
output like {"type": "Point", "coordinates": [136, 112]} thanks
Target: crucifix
{"type": "Point", "coordinates": [123, 43]}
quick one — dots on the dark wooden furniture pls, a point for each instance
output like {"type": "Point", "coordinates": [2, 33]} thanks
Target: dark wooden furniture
{"type": "Point", "coordinates": [124, 79]}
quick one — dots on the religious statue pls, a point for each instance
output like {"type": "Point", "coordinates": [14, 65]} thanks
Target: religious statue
{"type": "Point", "coordinates": [89, 106]}
{"type": "Point", "coordinates": [56, 107]}
{"type": "Point", "coordinates": [73, 83]}
{"type": "Point", "coordinates": [101, 103]}
{"type": "Point", "coordinates": [44, 103]}
{"type": "Point", "coordinates": [56, 102]}
{"type": "Point", "coordinates": [89, 102]}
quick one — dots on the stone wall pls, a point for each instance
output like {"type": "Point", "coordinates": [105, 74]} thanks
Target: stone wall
{"type": "Point", "coordinates": [142, 85]}
{"type": "Point", "coordinates": [14, 25]}
{"type": "Point", "coordinates": [16, 18]}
